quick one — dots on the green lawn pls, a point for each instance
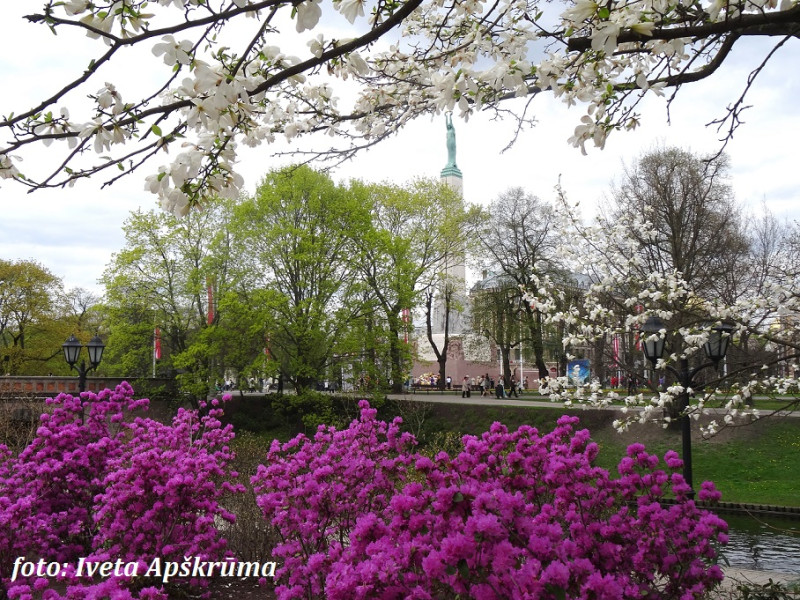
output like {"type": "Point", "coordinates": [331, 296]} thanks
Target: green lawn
{"type": "Point", "coordinates": [757, 464]}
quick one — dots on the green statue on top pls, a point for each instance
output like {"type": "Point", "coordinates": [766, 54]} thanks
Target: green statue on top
{"type": "Point", "coordinates": [451, 169]}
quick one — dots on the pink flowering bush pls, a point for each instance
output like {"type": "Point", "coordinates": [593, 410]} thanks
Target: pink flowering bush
{"type": "Point", "coordinates": [313, 492]}
{"type": "Point", "coordinates": [513, 515]}
{"type": "Point", "coordinates": [98, 485]}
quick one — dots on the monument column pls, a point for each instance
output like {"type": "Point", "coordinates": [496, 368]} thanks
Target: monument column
{"type": "Point", "coordinates": [451, 174]}
{"type": "Point", "coordinates": [454, 266]}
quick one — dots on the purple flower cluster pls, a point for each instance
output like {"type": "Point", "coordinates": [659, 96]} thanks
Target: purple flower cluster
{"type": "Point", "coordinates": [513, 515]}
{"type": "Point", "coordinates": [99, 485]}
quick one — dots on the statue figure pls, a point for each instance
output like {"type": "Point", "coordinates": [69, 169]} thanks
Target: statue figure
{"type": "Point", "coordinates": [451, 141]}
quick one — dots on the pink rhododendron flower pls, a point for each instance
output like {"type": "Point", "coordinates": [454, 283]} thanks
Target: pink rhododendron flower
{"type": "Point", "coordinates": [513, 515]}
{"type": "Point", "coordinates": [99, 484]}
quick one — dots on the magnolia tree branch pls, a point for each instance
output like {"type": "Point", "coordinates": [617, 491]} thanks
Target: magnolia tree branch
{"type": "Point", "coordinates": [778, 23]}
{"type": "Point", "coordinates": [403, 60]}
{"type": "Point", "coordinates": [732, 117]}
{"type": "Point", "coordinates": [763, 359]}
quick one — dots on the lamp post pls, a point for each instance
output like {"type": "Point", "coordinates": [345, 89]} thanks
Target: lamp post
{"type": "Point", "coordinates": [72, 350]}
{"type": "Point", "coordinates": [715, 349]}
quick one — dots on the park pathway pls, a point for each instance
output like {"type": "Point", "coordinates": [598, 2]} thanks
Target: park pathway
{"type": "Point", "coordinates": [454, 397]}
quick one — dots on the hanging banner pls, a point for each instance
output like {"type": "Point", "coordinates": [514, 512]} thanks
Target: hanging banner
{"type": "Point", "coordinates": [157, 344]}
{"type": "Point", "coordinates": [406, 318]}
{"type": "Point", "coordinates": [210, 302]}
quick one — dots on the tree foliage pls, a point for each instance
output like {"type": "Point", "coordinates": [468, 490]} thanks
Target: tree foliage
{"type": "Point", "coordinates": [297, 232]}
{"type": "Point", "coordinates": [37, 315]}
{"type": "Point", "coordinates": [167, 276]}
{"type": "Point", "coordinates": [315, 273]}
{"type": "Point", "coordinates": [684, 218]}
{"type": "Point", "coordinates": [414, 229]}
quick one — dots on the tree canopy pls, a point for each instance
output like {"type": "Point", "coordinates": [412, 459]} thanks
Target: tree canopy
{"type": "Point", "coordinates": [37, 315]}
{"type": "Point", "coordinates": [681, 254]}
{"type": "Point", "coordinates": [223, 74]}
{"type": "Point", "coordinates": [296, 233]}
{"type": "Point", "coordinates": [307, 279]}
{"type": "Point", "coordinates": [167, 277]}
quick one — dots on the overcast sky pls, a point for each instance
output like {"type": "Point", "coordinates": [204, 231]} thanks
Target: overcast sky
{"type": "Point", "coordinates": [74, 232]}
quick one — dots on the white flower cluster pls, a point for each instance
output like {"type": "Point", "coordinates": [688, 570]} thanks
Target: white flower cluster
{"type": "Point", "coordinates": [450, 55]}
{"type": "Point", "coordinates": [619, 300]}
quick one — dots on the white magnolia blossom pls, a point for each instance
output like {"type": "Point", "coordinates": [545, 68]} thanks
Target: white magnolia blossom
{"type": "Point", "coordinates": [308, 15]}
{"type": "Point", "coordinates": [317, 45]}
{"type": "Point", "coordinates": [7, 168]}
{"type": "Point", "coordinates": [174, 51]}
{"type": "Point", "coordinates": [439, 55]}
{"type": "Point", "coordinates": [76, 7]}
{"type": "Point", "coordinates": [351, 9]}
{"type": "Point", "coordinates": [603, 251]}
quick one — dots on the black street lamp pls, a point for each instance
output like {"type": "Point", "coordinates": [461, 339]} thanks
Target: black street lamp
{"type": "Point", "coordinates": [715, 349]}
{"type": "Point", "coordinates": [72, 350]}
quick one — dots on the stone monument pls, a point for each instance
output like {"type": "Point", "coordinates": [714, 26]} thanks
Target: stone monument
{"type": "Point", "coordinates": [451, 174]}
{"type": "Point", "coordinates": [454, 266]}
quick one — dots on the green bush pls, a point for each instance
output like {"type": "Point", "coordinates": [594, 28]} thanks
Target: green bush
{"type": "Point", "coordinates": [311, 409]}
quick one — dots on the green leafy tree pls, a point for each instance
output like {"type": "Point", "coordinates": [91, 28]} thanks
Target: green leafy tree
{"type": "Point", "coordinates": [31, 330]}
{"type": "Point", "coordinates": [297, 245]}
{"type": "Point", "coordinates": [413, 230]}
{"type": "Point", "coordinates": [161, 279]}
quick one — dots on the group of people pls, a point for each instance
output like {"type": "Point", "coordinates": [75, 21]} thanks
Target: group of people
{"type": "Point", "coordinates": [630, 382]}
{"type": "Point", "coordinates": [487, 384]}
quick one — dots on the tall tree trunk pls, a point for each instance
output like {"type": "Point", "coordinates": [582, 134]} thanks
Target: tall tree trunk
{"type": "Point", "coordinates": [396, 358]}
{"type": "Point", "coordinates": [441, 356]}
{"type": "Point", "coordinates": [535, 329]}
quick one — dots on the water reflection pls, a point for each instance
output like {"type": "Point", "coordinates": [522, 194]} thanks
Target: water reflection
{"type": "Point", "coordinates": [763, 543]}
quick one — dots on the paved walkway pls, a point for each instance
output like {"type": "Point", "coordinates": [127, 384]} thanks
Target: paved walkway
{"type": "Point", "coordinates": [474, 400]}
{"type": "Point", "coordinates": [454, 397]}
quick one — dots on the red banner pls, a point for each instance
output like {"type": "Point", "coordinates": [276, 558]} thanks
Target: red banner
{"type": "Point", "coordinates": [210, 303]}
{"type": "Point", "coordinates": [157, 343]}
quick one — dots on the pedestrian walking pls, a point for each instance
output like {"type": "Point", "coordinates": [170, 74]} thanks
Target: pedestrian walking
{"type": "Point", "coordinates": [499, 391]}
{"type": "Point", "coordinates": [465, 387]}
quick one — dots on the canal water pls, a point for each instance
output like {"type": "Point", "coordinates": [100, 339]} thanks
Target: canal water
{"type": "Point", "coordinates": [763, 543]}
